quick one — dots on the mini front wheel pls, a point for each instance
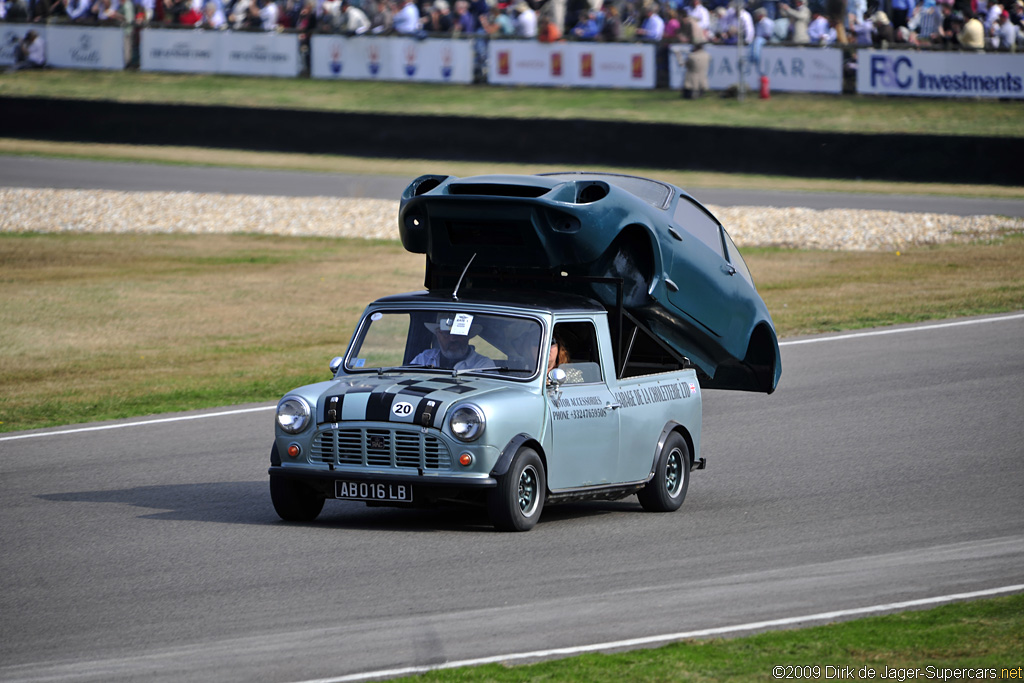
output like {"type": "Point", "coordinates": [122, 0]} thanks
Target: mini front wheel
{"type": "Point", "coordinates": [516, 503]}
{"type": "Point", "coordinates": [667, 488]}
{"type": "Point", "coordinates": [295, 501]}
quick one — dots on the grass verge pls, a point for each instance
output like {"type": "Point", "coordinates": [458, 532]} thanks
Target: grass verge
{"type": "Point", "coordinates": [986, 636]}
{"type": "Point", "coordinates": [784, 111]}
{"type": "Point", "coordinates": [100, 326]}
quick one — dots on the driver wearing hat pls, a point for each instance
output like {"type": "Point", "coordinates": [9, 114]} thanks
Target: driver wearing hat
{"type": "Point", "coordinates": [453, 350]}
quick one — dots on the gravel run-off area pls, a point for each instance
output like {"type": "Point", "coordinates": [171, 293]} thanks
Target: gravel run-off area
{"type": "Point", "coordinates": [52, 211]}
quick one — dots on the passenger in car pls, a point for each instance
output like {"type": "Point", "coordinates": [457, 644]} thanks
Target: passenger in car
{"type": "Point", "coordinates": [559, 355]}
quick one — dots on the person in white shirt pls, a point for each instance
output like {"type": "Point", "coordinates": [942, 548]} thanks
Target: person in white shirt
{"type": "Point", "coordinates": [1005, 33]}
{"type": "Point", "coordinates": [407, 19]}
{"type": "Point", "coordinates": [526, 20]}
{"type": "Point", "coordinates": [29, 53]}
{"type": "Point", "coordinates": [268, 15]}
{"type": "Point", "coordinates": [213, 16]}
{"type": "Point", "coordinates": [653, 28]}
{"type": "Point", "coordinates": [79, 9]}
{"type": "Point", "coordinates": [820, 32]}
{"type": "Point", "coordinates": [353, 19]}
{"type": "Point", "coordinates": [700, 14]}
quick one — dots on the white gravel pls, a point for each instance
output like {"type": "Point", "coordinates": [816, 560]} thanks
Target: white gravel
{"type": "Point", "coordinates": [48, 211]}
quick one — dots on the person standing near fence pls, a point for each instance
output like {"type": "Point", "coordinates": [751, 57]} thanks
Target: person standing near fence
{"type": "Point", "coordinates": [800, 18]}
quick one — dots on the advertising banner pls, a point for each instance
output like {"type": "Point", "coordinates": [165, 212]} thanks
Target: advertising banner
{"type": "Point", "coordinates": [360, 58]}
{"type": "Point", "coordinates": [940, 74]}
{"type": "Point", "coordinates": [392, 59]}
{"type": "Point", "coordinates": [625, 65]}
{"type": "Point", "coordinates": [11, 34]}
{"type": "Point", "coordinates": [598, 65]}
{"type": "Point", "coordinates": [180, 51]}
{"type": "Point", "coordinates": [260, 54]}
{"type": "Point", "coordinates": [789, 69]}
{"type": "Point", "coordinates": [84, 47]}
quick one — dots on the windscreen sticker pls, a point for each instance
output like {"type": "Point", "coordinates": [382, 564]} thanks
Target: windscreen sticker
{"type": "Point", "coordinates": [462, 324]}
{"type": "Point", "coordinates": [376, 316]}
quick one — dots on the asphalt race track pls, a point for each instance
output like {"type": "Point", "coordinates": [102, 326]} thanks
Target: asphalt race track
{"type": "Point", "coordinates": [103, 175]}
{"type": "Point", "coordinates": [886, 468]}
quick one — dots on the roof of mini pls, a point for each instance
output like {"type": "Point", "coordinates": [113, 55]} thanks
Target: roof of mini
{"type": "Point", "coordinates": [538, 301]}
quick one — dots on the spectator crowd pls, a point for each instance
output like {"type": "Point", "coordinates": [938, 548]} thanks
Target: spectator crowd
{"type": "Point", "coordinates": [949, 24]}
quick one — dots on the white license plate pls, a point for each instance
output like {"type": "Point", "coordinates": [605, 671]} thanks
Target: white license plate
{"type": "Point", "coordinates": [368, 490]}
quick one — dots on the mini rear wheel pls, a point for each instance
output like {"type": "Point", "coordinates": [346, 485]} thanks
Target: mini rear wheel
{"type": "Point", "coordinates": [667, 488]}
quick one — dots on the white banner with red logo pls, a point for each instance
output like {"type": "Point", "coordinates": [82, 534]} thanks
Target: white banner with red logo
{"type": "Point", "coordinates": [598, 65]}
{"type": "Point", "coordinates": [789, 69]}
{"type": "Point", "coordinates": [940, 74]}
{"type": "Point", "coordinates": [368, 58]}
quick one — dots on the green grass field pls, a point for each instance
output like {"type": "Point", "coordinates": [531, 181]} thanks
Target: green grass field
{"type": "Point", "coordinates": [102, 326]}
{"type": "Point", "coordinates": [986, 636]}
{"type": "Point", "coordinates": [791, 111]}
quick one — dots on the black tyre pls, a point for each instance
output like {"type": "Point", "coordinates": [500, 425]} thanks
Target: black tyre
{"type": "Point", "coordinates": [295, 501]}
{"type": "Point", "coordinates": [667, 488]}
{"type": "Point", "coordinates": [516, 503]}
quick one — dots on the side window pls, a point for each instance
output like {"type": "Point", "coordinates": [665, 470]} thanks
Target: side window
{"type": "Point", "coordinates": [736, 260]}
{"type": "Point", "coordinates": [578, 353]}
{"type": "Point", "coordinates": [699, 223]}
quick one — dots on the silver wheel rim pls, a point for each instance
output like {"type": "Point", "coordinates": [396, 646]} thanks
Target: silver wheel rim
{"type": "Point", "coordinates": [674, 474]}
{"type": "Point", "coordinates": [529, 495]}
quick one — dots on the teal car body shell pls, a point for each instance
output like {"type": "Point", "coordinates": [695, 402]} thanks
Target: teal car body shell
{"type": "Point", "coordinates": [682, 277]}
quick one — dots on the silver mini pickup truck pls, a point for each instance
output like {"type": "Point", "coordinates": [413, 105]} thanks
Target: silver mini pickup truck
{"type": "Point", "coordinates": [504, 401]}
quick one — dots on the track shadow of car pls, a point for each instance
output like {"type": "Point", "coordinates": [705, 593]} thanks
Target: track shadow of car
{"type": "Point", "coordinates": [231, 502]}
{"type": "Point", "coordinates": [356, 516]}
{"type": "Point", "coordinates": [248, 502]}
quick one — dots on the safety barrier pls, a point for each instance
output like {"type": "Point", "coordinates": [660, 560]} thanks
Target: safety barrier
{"type": "Point", "coordinates": [523, 62]}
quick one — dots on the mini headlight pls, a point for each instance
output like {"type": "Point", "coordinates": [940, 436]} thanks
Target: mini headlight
{"type": "Point", "coordinates": [293, 415]}
{"type": "Point", "coordinates": [467, 422]}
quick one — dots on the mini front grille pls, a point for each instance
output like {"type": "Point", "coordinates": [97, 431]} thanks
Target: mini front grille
{"type": "Point", "coordinates": [380, 448]}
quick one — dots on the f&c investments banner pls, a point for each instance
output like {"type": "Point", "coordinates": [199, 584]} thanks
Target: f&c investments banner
{"type": "Point", "coordinates": [940, 74]}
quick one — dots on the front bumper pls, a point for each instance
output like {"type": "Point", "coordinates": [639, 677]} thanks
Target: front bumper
{"type": "Point", "coordinates": [432, 485]}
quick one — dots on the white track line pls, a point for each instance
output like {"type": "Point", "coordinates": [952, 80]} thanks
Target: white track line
{"type": "Point", "coordinates": [122, 425]}
{"type": "Point", "coordinates": [920, 328]}
{"type": "Point", "coordinates": [873, 333]}
{"type": "Point", "coordinates": [671, 637]}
